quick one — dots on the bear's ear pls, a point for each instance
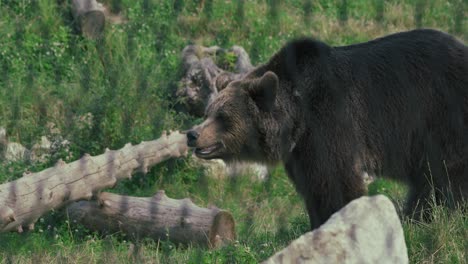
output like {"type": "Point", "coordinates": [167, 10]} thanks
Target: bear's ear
{"type": "Point", "coordinates": [263, 91]}
{"type": "Point", "coordinates": [223, 80]}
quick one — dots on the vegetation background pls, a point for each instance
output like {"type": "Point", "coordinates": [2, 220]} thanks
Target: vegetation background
{"type": "Point", "coordinates": [120, 89]}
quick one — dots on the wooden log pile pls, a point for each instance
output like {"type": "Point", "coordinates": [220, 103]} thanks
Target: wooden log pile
{"type": "Point", "coordinates": [24, 200]}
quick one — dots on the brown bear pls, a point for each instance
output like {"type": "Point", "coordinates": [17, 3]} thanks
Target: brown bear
{"type": "Point", "coordinates": [396, 106]}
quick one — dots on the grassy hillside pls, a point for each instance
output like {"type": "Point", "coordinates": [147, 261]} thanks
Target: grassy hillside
{"type": "Point", "coordinates": [105, 93]}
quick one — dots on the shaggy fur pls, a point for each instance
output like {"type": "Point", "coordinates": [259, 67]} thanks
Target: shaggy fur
{"type": "Point", "coordinates": [396, 107]}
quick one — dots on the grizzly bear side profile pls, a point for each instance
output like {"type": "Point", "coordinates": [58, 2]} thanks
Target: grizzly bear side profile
{"type": "Point", "coordinates": [395, 107]}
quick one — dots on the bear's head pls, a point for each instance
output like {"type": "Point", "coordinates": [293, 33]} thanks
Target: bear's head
{"type": "Point", "coordinates": [240, 122]}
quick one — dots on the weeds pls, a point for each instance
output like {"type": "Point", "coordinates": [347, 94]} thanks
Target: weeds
{"type": "Point", "coordinates": [106, 93]}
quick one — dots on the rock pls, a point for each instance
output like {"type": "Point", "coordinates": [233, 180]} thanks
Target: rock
{"type": "Point", "coordinates": [53, 129]}
{"type": "Point", "coordinates": [84, 121]}
{"type": "Point", "coordinates": [368, 178]}
{"type": "Point", "coordinates": [15, 152]}
{"type": "Point", "coordinates": [259, 171]}
{"type": "Point", "coordinates": [3, 136]}
{"type": "Point", "coordinates": [45, 143]}
{"type": "Point", "coordinates": [3, 143]}
{"type": "Point", "coordinates": [40, 152]}
{"type": "Point", "coordinates": [218, 169]}
{"type": "Point", "coordinates": [367, 230]}
{"type": "Point", "coordinates": [214, 168]}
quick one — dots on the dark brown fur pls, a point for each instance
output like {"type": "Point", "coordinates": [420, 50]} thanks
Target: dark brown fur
{"type": "Point", "coordinates": [395, 106]}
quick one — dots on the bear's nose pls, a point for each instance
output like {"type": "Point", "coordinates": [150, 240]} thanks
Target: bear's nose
{"type": "Point", "coordinates": [192, 136]}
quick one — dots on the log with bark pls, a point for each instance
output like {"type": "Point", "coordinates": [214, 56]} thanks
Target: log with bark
{"type": "Point", "coordinates": [206, 69]}
{"type": "Point", "coordinates": [157, 217]}
{"type": "Point", "coordinates": [24, 200]}
{"type": "Point", "coordinates": [89, 17]}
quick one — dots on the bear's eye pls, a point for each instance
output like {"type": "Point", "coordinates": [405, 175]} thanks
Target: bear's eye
{"type": "Point", "coordinates": [223, 119]}
{"type": "Point", "coordinates": [221, 116]}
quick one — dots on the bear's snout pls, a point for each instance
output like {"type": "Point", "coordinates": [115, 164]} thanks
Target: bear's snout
{"type": "Point", "coordinates": [192, 137]}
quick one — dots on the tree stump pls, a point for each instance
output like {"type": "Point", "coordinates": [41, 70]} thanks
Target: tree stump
{"type": "Point", "coordinates": [89, 17]}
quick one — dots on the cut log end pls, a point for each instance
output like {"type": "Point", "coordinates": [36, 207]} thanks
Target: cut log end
{"type": "Point", "coordinates": [223, 230]}
{"type": "Point", "coordinates": [92, 24]}
{"type": "Point", "coordinates": [7, 215]}
{"type": "Point", "coordinates": [157, 217]}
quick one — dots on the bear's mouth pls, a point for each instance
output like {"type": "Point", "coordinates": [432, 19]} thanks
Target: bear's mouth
{"type": "Point", "coordinates": [207, 151]}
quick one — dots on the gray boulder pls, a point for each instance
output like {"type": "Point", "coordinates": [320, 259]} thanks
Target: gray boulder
{"type": "Point", "coordinates": [218, 169]}
{"type": "Point", "coordinates": [3, 136]}
{"type": "Point", "coordinates": [15, 152]}
{"type": "Point", "coordinates": [40, 152]}
{"type": "Point", "coordinates": [367, 230]}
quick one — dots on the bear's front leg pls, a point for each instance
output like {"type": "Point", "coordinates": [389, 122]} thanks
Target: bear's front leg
{"type": "Point", "coordinates": [324, 192]}
{"type": "Point", "coordinates": [318, 209]}
{"type": "Point", "coordinates": [315, 217]}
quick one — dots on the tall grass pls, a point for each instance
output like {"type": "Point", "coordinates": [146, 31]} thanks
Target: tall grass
{"type": "Point", "coordinates": [120, 89]}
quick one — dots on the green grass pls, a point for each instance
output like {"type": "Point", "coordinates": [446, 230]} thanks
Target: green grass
{"type": "Point", "coordinates": [443, 240]}
{"type": "Point", "coordinates": [106, 93]}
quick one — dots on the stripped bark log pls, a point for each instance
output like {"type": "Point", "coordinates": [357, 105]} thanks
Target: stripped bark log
{"type": "Point", "coordinates": [157, 217]}
{"type": "Point", "coordinates": [23, 201]}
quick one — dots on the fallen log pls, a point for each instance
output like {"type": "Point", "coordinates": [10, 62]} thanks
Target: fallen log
{"type": "Point", "coordinates": [158, 217]}
{"type": "Point", "coordinates": [89, 17]}
{"type": "Point", "coordinates": [204, 76]}
{"type": "Point", "coordinates": [24, 200]}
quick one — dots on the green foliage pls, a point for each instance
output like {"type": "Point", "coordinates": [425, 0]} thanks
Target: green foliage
{"type": "Point", "coordinates": [235, 253]}
{"type": "Point", "coordinates": [442, 240]}
{"type": "Point", "coordinates": [379, 10]}
{"type": "Point", "coordinates": [120, 89]}
{"type": "Point", "coordinates": [308, 8]}
{"type": "Point", "coordinates": [459, 17]}
{"type": "Point", "coordinates": [240, 13]}
{"type": "Point", "coordinates": [386, 187]}
{"type": "Point", "coordinates": [273, 9]}
{"type": "Point", "coordinates": [343, 11]}
{"type": "Point", "coordinates": [226, 60]}
{"type": "Point", "coordinates": [419, 8]}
